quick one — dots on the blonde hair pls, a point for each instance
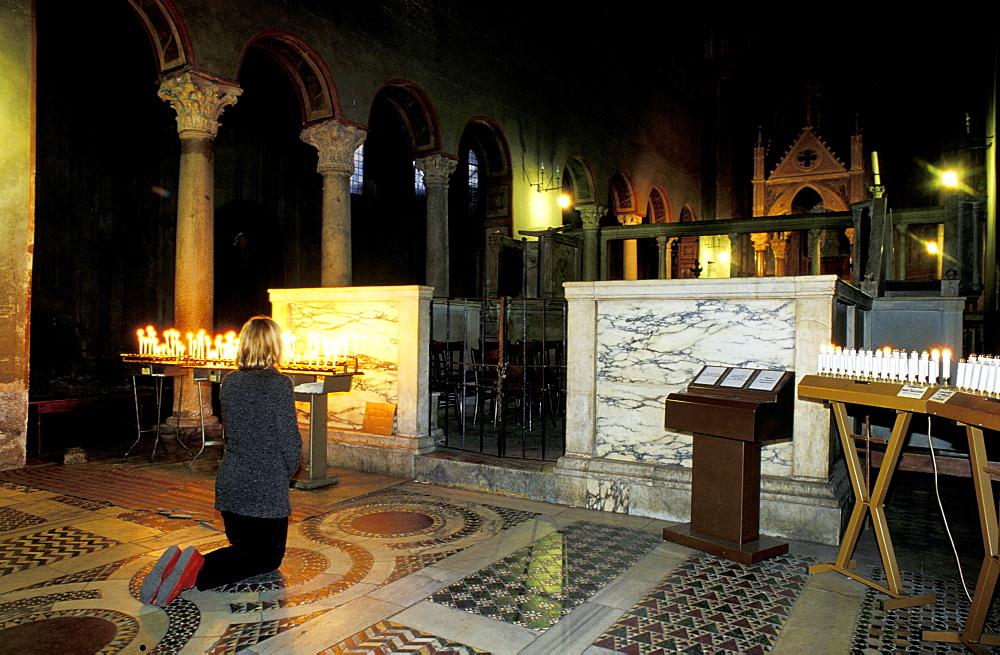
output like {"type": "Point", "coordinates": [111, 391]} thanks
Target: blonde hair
{"type": "Point", "coordinates": [260, 344]}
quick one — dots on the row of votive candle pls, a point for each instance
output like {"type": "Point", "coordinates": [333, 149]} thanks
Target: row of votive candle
{"type": "Point", "coordinates": [198, 346]}
{"type": "Point", "coordinates": [886, 364]}
{"type": "Point", "coordinates": [319, 351]}
{"type": "Point", "coordinates": [980, 373]}
{"type": "Point", "coordinates": [314, 350]}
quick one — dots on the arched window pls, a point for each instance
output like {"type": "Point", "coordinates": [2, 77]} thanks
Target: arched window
{"type": "Point", "coordinates": [419, 187]}
{"type": "Point", "coordinates": [473, 184]}
{"type": "Point", "coordinates": [358, 176]}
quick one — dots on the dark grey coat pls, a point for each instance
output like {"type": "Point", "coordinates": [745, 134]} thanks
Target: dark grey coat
{"type": "Point", "coordinates": [262, 444]}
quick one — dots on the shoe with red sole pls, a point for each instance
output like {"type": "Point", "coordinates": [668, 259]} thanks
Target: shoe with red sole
{"type": "Point", "coordinates": [160, 570]}
{"type": "Point", "coordinates": [182, 577]}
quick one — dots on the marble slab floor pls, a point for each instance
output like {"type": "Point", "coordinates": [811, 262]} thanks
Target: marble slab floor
{"type": "Point", "coordinates": [416, 568]}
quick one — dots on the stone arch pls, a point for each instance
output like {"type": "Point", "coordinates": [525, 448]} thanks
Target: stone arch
{"type": "Point", "coordinates": [783, 203]}
{"type": "Point", "coordinates": [580, 176]}
{"type": "Point", "coordinates": [416, 114]}
{"type": "Point", "coordinates": [622, 193]}
{"type": "Point", "coordinates": [658, 209]}
{"type": "Point", "coordinates": [308, 73]}
{"type": "Point", "coordinates": [688, 214]}
{"type": "Point", "coordinates": [472, 213]}
{"type": "Point", "coordinates": [167, 33]}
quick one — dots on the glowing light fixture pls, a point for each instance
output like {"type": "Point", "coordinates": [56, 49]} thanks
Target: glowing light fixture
{"type": "Point", "coordinates": [564, 200]}
{"type": "Point", "coordinates": [949, 179]}
{"type": "Point", "coordinates": [932, 247]}
{"type": "Point", "coordinates": [546, 181]}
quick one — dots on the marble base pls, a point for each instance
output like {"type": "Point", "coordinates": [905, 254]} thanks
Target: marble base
{"type": "Point", "coordinates": [806, 510]}
{"type": "Point", "coordinates": [376, 453]}
{"type": "Point", "coordinates": [536, 485]}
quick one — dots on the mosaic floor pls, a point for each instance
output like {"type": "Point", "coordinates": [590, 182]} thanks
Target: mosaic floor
{"type": "Point", "coordinates": [415, 568]}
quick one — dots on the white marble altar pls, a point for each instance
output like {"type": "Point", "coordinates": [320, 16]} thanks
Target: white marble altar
{"type": "Point", "coordinates": [632, 343]}
{"type": "Point", "coordinates": [391, 326]}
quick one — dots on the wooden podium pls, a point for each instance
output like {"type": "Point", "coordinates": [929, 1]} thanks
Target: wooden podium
{"type": "Point", "coordinates": [731, 411]}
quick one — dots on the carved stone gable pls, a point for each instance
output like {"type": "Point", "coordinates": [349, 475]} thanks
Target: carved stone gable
{"type": "Point", "coordinates": [808, 156]}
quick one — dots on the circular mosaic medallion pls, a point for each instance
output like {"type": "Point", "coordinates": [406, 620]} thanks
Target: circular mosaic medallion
{"type": "Point", "coordinates": [392, 522]}
{"type": "Point", "coordinates": [69, 631]}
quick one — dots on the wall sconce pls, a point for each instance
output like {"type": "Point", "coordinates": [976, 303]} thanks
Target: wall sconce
{"type": "Point", "coordinates": [546, 182]}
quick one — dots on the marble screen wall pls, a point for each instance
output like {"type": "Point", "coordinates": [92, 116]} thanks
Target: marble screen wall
{"type": "Point", "coordinates": [391, 326]}
{"type": "Point", "coordinates": [632, 343]}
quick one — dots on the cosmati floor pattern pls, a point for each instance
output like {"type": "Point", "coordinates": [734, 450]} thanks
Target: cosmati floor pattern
{"type": "Point", "coordinates": [416, 568]}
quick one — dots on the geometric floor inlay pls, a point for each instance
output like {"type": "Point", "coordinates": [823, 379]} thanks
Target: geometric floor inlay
{"type": "Point", "coordinates": [241, 635]}
{"type": "Point", "coordinates": [95, 574]}
{"type": "Point", "coordinates": [708, 604]}
{"type": "Point", "coordinates": [46, 547]}
{"type": "Point", "coordinates": [900, 630]}
{"type": "Point", "coordinates": [540, 583]}
{"type": "Point", "coordinates": [388, 637]}
{"type": "Point", "coordinates": [12, 519]}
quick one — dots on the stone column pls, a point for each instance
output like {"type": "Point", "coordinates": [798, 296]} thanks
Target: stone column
{"type": "Point", "coordinates": [669, 258]}
{"type": "Point", "coordinates": [663, 250]}
{"type": "Point", "coordinates": [335, 143]}
{"type": "Point", "coordinates": [630, 248]}
{"type": "Point", "coordinates": [779, 244]}
{"type": "Point", "coordinates": [437, 169]}
{"type": "Point", "coordinates": [815, 244]}
{"type": "Point", "coordinates": [590, 215]}
{"type": "Point", "coordinates": [199, 100]}
{"type": "Point", "coordinates": [903, 229]}
{"type": "Point", "coordinates": [735, 260]}
{"type": "Point", "coordinates": [759, 240]}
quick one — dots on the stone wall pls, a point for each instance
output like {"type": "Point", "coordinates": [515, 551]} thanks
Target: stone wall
{"type": "Point", "coordinates": [16, 209]}
{"type": "Point", "coordinates": [632, 343]}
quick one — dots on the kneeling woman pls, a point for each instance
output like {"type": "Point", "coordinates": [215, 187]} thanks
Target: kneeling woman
{"type": "Point", "coordinates": [263, 445]}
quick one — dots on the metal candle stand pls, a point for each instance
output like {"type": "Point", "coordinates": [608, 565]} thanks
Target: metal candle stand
{"type": "Point", "coordinates": [312, 384]}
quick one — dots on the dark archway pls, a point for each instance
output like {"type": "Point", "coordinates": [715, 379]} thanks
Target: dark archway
{"type": "Point", "coordinates": [268, 194]}
{"type": "Point", "coordinates": [478, 203]}
{"type": "Point", "coordinates": [105, 194]}
{"type": "Point", "coordinates": [389, 219]}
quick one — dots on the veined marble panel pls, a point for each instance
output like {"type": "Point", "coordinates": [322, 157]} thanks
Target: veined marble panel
{"type": "Point", "coordinates": [648, 349]}
{"type": "Point", "coordinates": [375, 327]}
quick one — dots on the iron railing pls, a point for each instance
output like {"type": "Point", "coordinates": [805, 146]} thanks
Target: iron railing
{"type": "Point", "coordinates": [498, 375]}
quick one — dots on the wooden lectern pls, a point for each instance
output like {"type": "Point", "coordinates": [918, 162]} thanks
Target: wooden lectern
{"type": "Point", "coordinates": [731, 411]}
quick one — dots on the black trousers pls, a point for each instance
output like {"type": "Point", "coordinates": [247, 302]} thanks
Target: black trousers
{"type": "Point", "coordinates": [258, 546]}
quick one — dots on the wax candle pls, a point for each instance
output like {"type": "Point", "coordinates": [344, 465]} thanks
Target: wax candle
{"type": "Point", "coordinates": [945, 366]}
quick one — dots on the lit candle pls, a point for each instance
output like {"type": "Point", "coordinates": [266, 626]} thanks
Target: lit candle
{"type": "Point", "coordinates": [972, 372]}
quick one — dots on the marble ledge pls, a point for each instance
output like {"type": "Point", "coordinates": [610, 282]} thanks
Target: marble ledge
{"type": "Point", "coordinates": [351, 294]}
{"type": "Point", "coordinates": [802, 286]}
{"type": "Point", "coordinates": [680, 477]}
{"type": "Point", "coordinates": [391, 442]}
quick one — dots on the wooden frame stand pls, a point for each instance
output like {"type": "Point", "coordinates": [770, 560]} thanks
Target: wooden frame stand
{"type": "Point", "coordinates": [730, 411]}
{"type": "Point", "coordinates": [869, 500]}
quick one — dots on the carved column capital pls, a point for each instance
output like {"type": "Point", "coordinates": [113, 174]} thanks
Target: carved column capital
{"type": "Point", "coordinates": [780, 247]}
{"type": "Point", "coordinates": [629, 219]}
{"type": "Point", "coordinates": [198, 100]}
{"type": "Point", "coordinates": [759, 240]}
{"type": "Point", "coordinates": [436, 168]}
{"type": "Point", "coordinates": [590, 215]}
{"type": "Point", "coordinates": [335, 142]}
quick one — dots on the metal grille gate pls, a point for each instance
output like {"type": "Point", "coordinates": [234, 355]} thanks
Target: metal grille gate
{"type": "Point", "coordinates": [498, 375]}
